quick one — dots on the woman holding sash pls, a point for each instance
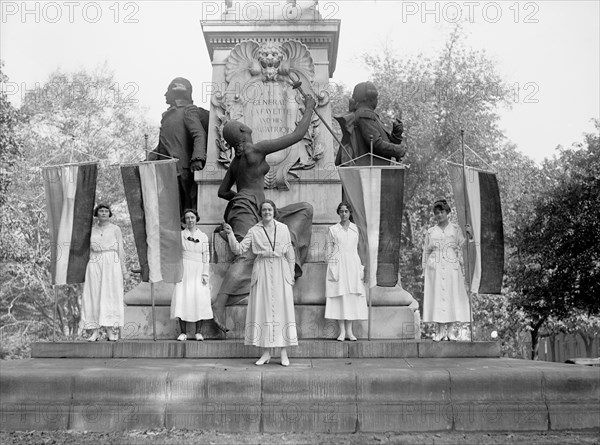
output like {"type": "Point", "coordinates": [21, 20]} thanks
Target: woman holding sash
{"type": "Point", "coordinates": [270, 318]}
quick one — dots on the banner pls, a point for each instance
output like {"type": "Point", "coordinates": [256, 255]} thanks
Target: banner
{"type": "Point", "coordinates": [152, 196]}
{"type": "Point", "coordinates": [70, 197]}
{"type": "Point", "coordinates": [376, 195]}
{"type": "Point", "coordinates": [484, 214]}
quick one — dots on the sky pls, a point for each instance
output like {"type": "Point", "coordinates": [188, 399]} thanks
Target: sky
{"type": "Point", "coordinates": [548, 51]}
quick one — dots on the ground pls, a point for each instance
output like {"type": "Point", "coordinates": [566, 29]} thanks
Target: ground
{"type": "Point", "coordinates": [173, 437]}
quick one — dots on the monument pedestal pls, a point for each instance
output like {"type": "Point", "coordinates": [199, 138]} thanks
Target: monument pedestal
{"type": "Point", "coordinates": [392, 314]}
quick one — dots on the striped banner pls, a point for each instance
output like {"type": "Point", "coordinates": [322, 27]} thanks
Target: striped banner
{"type": "Point", "coordinates": [484, 214]}
{"type": "Point", "coordinates": [70, 196]}
{"type": "Point", "coordinates": [152, 196]}
{"type": "Point", "coordinates": [376, 195]}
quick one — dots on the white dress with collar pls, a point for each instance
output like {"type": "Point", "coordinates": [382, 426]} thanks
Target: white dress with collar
{"type": "Point", "coordinates": [270, 317]}
{"type": "Point", "coordinates": [445, 297]}
{"type": "Point", "coordinates": [344, 287]}
{"type": "Point", "coordinates": [191, 298]}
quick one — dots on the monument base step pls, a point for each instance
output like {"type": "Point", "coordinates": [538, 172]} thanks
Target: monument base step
{"type": "Point", "coordinates": [236, 349]}
{"type": "Point", "coordinates": [310, 396]}
{"type": "Point", "coordinates": [389, 322]}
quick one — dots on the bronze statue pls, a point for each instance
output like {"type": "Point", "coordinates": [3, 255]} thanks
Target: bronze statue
{"type": "Point", "coordinates": [360, 124]}
{"type": "Point", "coordinates": [247, 171]}
{"type": "Point", "coordinates": [183, 136]}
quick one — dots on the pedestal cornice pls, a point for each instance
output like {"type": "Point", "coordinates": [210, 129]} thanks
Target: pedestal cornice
{"type": "Point", "coordinates": [220, 35]}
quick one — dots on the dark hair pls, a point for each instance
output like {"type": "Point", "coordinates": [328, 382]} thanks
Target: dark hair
{"type": "Point", "coordinates": [190, 211]}
{"type": "Point", "coordinates": [103, 206]}
{"type": "Point", "coordinates": [343, 203]}
{"type": "Point", "coordinates": [267, 201]}
{"type": "Point", "coordinates": [441, 204]}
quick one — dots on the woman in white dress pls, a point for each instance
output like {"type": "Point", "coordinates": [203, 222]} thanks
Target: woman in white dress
{"type": "Point", "coordinates": [270, 318]}
{"type": "Point", "coordinates": [344, 287]}
{"type": "Point", "coordinates": [102, 301]}
{"type": "Point", "coordinates": [191, 296]}
{"type": "Point", "coordinates": [445, 298]}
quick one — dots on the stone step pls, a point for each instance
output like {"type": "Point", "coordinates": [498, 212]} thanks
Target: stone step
{"type": "Point", "coordinates": [390, 322]}
{"type": "Point", "coordinates": [237, 349]}
{"type": "Point", "coordinates": [345, 395]}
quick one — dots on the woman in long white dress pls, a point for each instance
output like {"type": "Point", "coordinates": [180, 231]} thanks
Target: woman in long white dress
{"type": "Point", "coordinates": [191, 296]}
{"type": "Point", "coordinates": [102, 301]}
{"type": "Point", "coordinates": [344, 287]}
{"type": "Point", "coordinates": [270, 318]}
{"type": "Point", "coordinates": [445, 298]}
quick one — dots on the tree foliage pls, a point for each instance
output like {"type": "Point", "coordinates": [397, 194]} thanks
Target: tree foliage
{"type": "Point", "coordinates": [557, 267]}
{"type": "Point", "coordinates": [10, 145]}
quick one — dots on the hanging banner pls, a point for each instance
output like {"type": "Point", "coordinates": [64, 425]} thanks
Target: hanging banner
{"type": "Point", "coordinates": [70, 197]}
{"type": "Point", "coordinates": [376, 194]}
{"type": "Point", "coordinates": [152, 196]}
{"type": "Point", "coordinates": [484, 214]}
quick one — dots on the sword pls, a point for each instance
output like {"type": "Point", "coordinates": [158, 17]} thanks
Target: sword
{"type": "Point", "coordinates": [297, 85]}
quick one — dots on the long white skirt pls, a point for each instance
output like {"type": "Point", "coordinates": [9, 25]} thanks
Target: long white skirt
{"type": "Point", "coordinates": [102, 301]}
{"type": "Point", "coordinates": [347, 307]}
{"type": "Point", "coordinates": [191, 298]}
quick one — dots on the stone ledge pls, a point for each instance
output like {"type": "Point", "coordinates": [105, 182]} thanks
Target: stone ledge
{"type": "Point", "coordinates": [222, 349]}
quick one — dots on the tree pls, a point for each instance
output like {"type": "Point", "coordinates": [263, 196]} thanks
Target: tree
{"type": "Point", "coordinates": [557, 271]}
{"type": "Point", "coordinates": [73, 117]}
{"type": "Point", "coordinates": [10, 153]}
{"type": "Point", "coordinates": [10, 144]}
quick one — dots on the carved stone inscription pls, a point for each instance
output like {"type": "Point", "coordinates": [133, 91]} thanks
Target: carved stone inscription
{"type": "Point", "coordinates": [259, 93]}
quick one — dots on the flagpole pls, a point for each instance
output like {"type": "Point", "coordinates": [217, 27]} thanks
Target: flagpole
{"type": "Point", "coordinates": [153, 311]}
{"type": "Point", "coordinates": [368, 288]}
{"type": "Point", "coordinates": [54, 315]}
{"type": "Point", "coordinates": [467, 262]}
{"type": "Point", "coordinates": [146, 145]}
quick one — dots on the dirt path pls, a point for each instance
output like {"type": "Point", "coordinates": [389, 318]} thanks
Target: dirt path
{"type": "Point", "coordinates": [176, 437]}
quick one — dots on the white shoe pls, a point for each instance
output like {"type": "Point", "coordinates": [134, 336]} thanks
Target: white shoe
{"type": "Point", "coordinates": [351, 337]}
{"type": "Point", "coordinates": [265, 358]}
{"type": "Point", "coordinates": [182, 337]}
{"type": "Point", "coordinates": [342, 336]}
{"type": "Point", "coordinates": [199, 337]}
{"type": "Point", "coordinates": [94, 336]}
{"type": "Point", "coordinates": [113, 335]}
{"type": "Point", "coordinates": [285, 361]}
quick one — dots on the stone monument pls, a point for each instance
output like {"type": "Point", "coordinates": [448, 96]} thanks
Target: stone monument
{"type": "Point", "coordinates": [256, 55]}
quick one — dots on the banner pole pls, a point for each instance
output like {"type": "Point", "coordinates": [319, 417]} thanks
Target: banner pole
{"type": "Point", "coordinates": [368, 290]}
{"type": "Point", "coordinates": [153, 311]}
{"type": "Point", "coordinates": [467, 262]}
{"type": "Point", "coordinates": [54, 315]}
